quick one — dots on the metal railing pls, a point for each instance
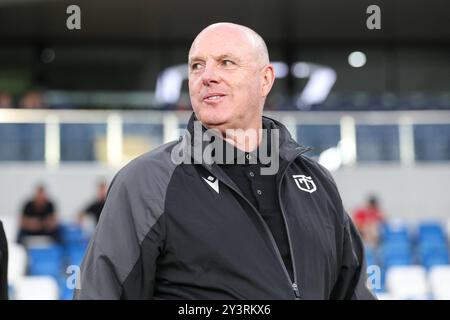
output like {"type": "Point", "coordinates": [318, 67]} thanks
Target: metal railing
{"type": "Point", "coordinates": [172, 120]}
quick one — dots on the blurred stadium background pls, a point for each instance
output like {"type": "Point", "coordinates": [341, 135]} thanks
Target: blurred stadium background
{"type": "Point", "coordinates": [76, 105]}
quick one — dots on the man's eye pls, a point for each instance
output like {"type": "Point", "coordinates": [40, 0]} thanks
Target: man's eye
{"type": "Point", "coordinates": [227, 63]}
{"type": "Point", "coordinates": [196, 66]}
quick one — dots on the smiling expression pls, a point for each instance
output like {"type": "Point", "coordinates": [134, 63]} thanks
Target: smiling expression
{"type": "Point", "coordinates": [227, 77]}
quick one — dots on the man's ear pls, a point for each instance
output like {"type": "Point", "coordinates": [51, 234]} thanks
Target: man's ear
{"type": "Point", "coordinates": [268, 74]}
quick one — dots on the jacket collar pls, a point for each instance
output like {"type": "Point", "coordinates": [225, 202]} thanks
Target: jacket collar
{"type": "Point", "coordinates": [289, 149]}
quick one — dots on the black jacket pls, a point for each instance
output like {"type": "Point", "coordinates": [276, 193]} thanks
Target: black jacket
{"type": "Point", "coordinates": [3, 264]}
{"type": "Point", "coordinates": [166, 233]}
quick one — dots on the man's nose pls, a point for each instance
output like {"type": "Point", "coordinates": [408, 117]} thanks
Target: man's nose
{"type": "Point", "coordinates": [210, 75]}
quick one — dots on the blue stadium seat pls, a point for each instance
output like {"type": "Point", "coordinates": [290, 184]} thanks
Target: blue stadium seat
{"type": "Point", "coordinates": [431, 231]}
{"type": "Point", "coordinates": [436, 260]}
{"type": "Point", "coordinates": [46, 260]}
{"type": "Point", "coordinates": [392, 261]}
{"type": "Point", "coordinates": [72, 233]}
{"type": "Point", "coordinates": [65, 293]}
{"type": "Point", "coordinates": [394, 232]}
{"type": "Point", "coordinates": [370, 256]}
{"type": "Point", "coordinates": [75, 253]}
{"type": "Point", "coordinates": [432, 247]}
{"type": "Point", "coordinates": [396, 253]}
{"type": "Point", "coordinates": [433, 252]}
{"type": "Point", "coordinates": [396, 246]}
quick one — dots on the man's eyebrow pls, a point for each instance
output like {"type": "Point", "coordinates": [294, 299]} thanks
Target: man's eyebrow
{"type": "Point", "coordinates": [217, 58]}
{"type": "Point", "coordinates": [226, 56]}
{"type": "Point", "coordinates": [195, 58]}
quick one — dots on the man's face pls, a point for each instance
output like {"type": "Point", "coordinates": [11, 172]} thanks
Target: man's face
{"type": "Point", "coordinates": [225, 79]}
{"type": "Point", "coordinates": [102, 191]}
{"type": "Point", "coordinates": [40, 195]}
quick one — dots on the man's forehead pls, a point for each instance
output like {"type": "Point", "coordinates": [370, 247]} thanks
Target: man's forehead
{"type": "Point", "coordinates": [216, 54]}
{"type": "Point", "coordinates": [222, 41]}
{"type": "Point", "coordinates": [226, 33]}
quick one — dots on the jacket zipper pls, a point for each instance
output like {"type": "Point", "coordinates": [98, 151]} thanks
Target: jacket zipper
{"type": "Point", "coordinates": [294, 269]}
{"type": "Point", "coordinates": [272, 240]}
{"type": "Point", "coordinates": [293, 285]}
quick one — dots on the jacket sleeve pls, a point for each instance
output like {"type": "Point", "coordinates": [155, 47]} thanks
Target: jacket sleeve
{"type": "Point", "coordinates": [120, 261]}
{"type": "Point", "coordinates": [351, 282]}
{"type": "Point", "coordinates": [3, 265]}
{"type": "Point", "coordinates": [352, 278]}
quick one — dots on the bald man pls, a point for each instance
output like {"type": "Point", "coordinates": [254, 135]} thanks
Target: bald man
{"type": "Point", "coordinates": [233, 209]}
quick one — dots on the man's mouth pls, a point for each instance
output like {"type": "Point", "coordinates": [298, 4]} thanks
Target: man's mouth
{"type": "Point", "coordinates": [213, 97]}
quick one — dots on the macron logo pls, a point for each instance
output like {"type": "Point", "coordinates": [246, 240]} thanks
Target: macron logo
{"type": "Point", "coordinates": [213, 183]}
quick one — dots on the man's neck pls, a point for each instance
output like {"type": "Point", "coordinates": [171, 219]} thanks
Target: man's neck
{"type": "Point", "coordinates": [246, 138]}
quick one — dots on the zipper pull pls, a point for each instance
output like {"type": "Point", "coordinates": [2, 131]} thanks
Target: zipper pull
{"type": "Point", "coordinates": [296, 292]}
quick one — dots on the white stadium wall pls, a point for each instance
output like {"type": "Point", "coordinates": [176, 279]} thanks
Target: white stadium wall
{"type": "Point", "coordinates": [71, 187]}
{"type": "Point", "coordinates": [418, 192]}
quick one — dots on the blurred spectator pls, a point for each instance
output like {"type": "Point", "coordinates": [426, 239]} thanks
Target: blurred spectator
{"type": "Point", "coordinates": [368, 220]}
{"type": "Point", "coordinates": [3, 265]}
{"type": "Point", "coordinates": [39, 217]}
{"type": "Point", "coordinates": [95, 208]}
{"type": "Point", "coordinates": [6, 100]}
{"type": "Point", "coordinates": [32, 100]}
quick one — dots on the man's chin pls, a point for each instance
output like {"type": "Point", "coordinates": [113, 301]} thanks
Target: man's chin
{"type": "Point", "coordinates": [215, 124]}
{"type": "Point", "coordinates": [213, 120]}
